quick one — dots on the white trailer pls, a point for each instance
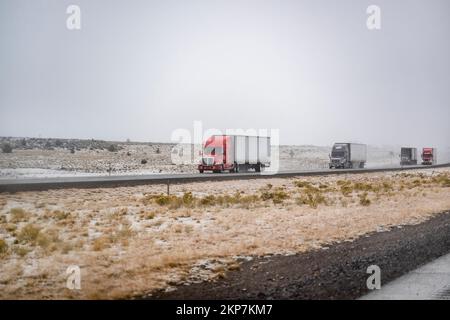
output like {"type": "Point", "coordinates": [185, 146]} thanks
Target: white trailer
{"type": "Point", "coordinates": [250, 152]}
{"type": "Point", "coordinates": [358, 153]}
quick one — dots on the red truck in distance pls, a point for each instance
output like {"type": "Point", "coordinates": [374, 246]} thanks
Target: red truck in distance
{"type": "Point", "coordinates": [429, 156]}
{"type": "Point", "coordinates": [235, 153]}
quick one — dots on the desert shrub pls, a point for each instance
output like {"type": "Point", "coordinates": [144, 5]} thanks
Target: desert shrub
{"type": "Point", "coordinates": [157, 151]}
{"type": "Point", "coordinates": [172, 201]}
{"type": "Point", "coordinates": [150, 215]}
{"type": "Point", "coordinates": [21, 251]}
{"type": "Point", "coordinates": [228, 200]}
{"type": "Point", "coordinates": [362, 186]}
{"type": "Point", "coordinates": [52, 235]}
{"type": "Point", "coordinates": [122, 234]}
{"type": "Point", "coordinates": [43, 240]}
{"type": "Point", "coordinates": [346, 189]}
{"type": "Point", "coordinates": [188, 199]}
{"type": "Point", "coordinates": [387, 186]}
{"type": "Point", "coordinates": [10, 227]}
{"type": "Point", "coordinates": [266, 195]}
{"type": "Point", "coordinates": [7, 148]}
{"type": "Point", "coordinates": [244, 201]}
{"type": "Point", "coordinates": [311, 199]}
{"type": "Point", "coordinates": [18, 215]}
{"type": "Point", "coordinates": [100, 243]}
{"type": "Point", "coordinates": [364, 200]}
{"type": "Point", "coordinates": [112, 148]}
{"type": "Point", "coordinates": [277, 196]}
{"type": "Point", "coordinates": [248, 199]}
{"type": "Point", "coordinates": [208, 200]}
{"type": "Point", "coordinates": [66, 247]}
{"type": "Point", "coordinates": [60, 215]}
{"type": "Point", "coordinates": [442, 179]}
{"type": "Point", "coordinates": [28, 234]}
{"type": "Point", "coordinates": [163, 199]}
{"type": "Point", "coordinates": [144, 161]}
{"type": "Point", "coordinates": [302, 184]}
{"type": "Point", "coordinates": [342, 182]}
{"type": "Point", "coordinates": [291, 153]}
{"type": "Point", "coordinates": [236, 197]}
{"type": "Point", "coordinates": [446, 182]}
{"type": "Point", "coordinates": [3, 247]}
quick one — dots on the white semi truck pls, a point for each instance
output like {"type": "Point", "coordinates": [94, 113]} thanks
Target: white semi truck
{"type": "Point", "coordinates": [347, 155]}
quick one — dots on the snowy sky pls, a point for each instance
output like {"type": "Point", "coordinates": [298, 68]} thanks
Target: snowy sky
{"type": "Point", "coordinates": [312, 69]}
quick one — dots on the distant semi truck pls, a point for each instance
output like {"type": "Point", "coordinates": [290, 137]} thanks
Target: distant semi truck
{"type": "Point", "coordinates": [408, 156]}
{"type": "Point", "coordinates": [235, 153]}
{"type": "Point", "coordinates": [429, 156]}
{"type": "Point", "coordinates": [348, 155]}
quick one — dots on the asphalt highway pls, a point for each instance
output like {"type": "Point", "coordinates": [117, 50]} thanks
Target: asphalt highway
{"type": "Point", "coordinates": [37, 184]}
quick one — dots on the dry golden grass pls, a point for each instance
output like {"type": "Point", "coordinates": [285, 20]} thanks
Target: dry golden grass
{"type": "Point", "coordinates": [132, 240]}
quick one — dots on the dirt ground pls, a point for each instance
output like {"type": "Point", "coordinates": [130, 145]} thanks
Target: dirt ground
{"type": "Point", "coordinates": [132, 241]}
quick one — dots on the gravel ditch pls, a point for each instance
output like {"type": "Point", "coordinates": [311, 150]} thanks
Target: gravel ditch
{"type": "Point", "coordinates": [337, 272]}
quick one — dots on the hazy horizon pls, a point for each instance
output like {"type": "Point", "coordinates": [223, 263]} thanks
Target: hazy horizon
{"type": "Point", "coordinates": [139, 70]}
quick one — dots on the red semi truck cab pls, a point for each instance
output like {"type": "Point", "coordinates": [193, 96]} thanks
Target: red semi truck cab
{"type": "Point", "coordinates": [215, 155]}
{"type": "Point", "coordinates": [428, 156]}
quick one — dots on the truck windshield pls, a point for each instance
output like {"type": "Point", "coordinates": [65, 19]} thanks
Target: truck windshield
{"type": "Point", "coordinates": [213, 150]}
{"type": "Point", "coordinates": [337, 154]}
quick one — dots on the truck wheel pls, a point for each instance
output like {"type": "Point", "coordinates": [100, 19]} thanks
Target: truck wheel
{"type": "Point", "coordinates": [361, 165]}
{"type": "Point", "coordinates": [201, 171]}
{"type": "Point", "coordinates": [236, 168]}
{"type": "Point", "coordinates": [258, 168]}
{"type": "Point", "coordinates": [219, 171]}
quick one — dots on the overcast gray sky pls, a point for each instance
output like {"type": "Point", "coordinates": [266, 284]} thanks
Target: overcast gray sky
{"type": "Point", "coordinates": [140, 69]}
